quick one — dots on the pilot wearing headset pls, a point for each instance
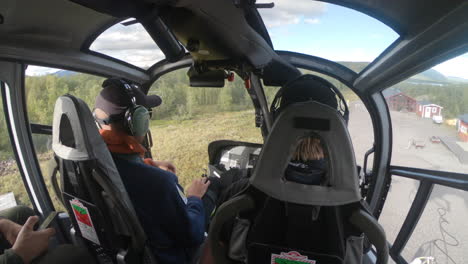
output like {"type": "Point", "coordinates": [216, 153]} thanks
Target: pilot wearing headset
{"type": "Point", "coordinates": [173, 221]}
{"type": "Point", "coordinates": [308, 164]}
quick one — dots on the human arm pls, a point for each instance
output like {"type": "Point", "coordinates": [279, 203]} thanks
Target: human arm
{"type": "Point", "coordinates": [9, 230]}
{"type": "Point", "coordinates": [168, 217]}
{"type": "Point", "coordinates": [163, 165]}
{"type": "Point", "coordinates": [10, 257]}
{"type": "Point", "coordinates": [27, 243]}
{"type": "Point", "coordinates": [192, 217]}
{"type": "Point", "coordinates": [198, 188]}
{"type": "Point", "coordinates": [30, 244]}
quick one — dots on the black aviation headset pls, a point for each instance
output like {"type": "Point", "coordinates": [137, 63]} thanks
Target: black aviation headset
{"type": "Point", "coordinates": [136, 117]}
{"type": "Point", "coordinates": [342, 106]}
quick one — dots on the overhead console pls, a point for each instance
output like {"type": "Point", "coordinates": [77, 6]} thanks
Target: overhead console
{"type": "Point", "coordinates": [213, 30]}
{"type": "Point", "coordinates": [209, 78]}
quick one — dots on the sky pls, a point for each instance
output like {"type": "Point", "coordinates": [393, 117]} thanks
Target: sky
{"type": "Point", "coordinates": [316, 28]}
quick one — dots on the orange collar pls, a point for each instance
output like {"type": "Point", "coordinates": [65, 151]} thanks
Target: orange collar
{"type": "Point", "coordinates": [119, 142]}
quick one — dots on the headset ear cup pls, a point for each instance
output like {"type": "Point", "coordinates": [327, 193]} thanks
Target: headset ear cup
{"type": "Point", "coordinates": [140, 121]}
{"type": "Point", "coordinates": [128, 121]}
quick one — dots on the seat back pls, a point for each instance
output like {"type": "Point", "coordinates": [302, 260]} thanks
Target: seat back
{"type": "Point", "coordinates": [290, 221]}
{"type": "Point", "coordinates": [91, 188]}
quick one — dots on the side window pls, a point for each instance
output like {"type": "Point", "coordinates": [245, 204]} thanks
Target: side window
{"type": "Point", "coordinates": [192, 117]}
{"type": "Point", "coordinates": [429, 112]}
{"type": "Point", "coordinates": [12, 189]}
{"type": "Point", "coordinates": [425, 110]}
{"type": "Point", "coordinates": [43, 87]}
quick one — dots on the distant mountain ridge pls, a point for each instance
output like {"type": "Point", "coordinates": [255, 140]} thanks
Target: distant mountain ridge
{"type": "Point", "coordinates": [457, 79]}
{"type": "Point", "coordinates": [64, 73]}
{"type": "Point", "coordinates": [429, 76]}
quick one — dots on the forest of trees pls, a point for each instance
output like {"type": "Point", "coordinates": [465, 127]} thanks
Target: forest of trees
{"type": "Point", "coordinates": [180, 101]}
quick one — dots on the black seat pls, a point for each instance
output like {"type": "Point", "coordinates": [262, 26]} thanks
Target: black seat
{"type": "Point", "coordinates": [91, 189]}
{"type": "Point", "coordinates": [297, 222]}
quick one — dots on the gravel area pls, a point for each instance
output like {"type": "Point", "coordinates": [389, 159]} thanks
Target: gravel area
{"type": "Point", "coordinates": [442, 231]}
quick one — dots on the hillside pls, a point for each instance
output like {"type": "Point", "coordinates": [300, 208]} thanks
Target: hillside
{"type": "Point", "coordinates": [428, 76]}
{"type": "Point", "coordinates": [64, 73]}
{"type": "Point", "coordinates": [431, 75]}
{"type": "Point", "coordinates": [354, 65]}
{"type": "Point", "coordinates": [457, 79]}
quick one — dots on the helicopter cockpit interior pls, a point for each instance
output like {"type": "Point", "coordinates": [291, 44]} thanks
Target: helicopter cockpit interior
{"type": "Point", "coordinates": [396, 146]}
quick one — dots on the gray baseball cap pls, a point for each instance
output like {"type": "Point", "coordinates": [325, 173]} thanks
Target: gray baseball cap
{"type": "Point", "coordinates": [114, 99]}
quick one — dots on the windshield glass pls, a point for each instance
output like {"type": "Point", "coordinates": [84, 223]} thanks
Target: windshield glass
{"type": "Point", "coordinates": [329, 31]}
{"type": "Point", "coordinates": [130, 43]}
{"type": "Point", "coordinates": [191, 118]}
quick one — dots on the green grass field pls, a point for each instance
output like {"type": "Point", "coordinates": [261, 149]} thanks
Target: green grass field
{"type": "Point", "coordinates": [183, 142]}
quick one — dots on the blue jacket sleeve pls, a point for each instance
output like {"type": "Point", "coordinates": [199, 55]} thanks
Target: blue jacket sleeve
{"type": "Point", "coordinates": [168, 217]}
{"type": "Point", "coordinates": [196, 215]}
{"type": "Point", "coordinates": [188, 226]}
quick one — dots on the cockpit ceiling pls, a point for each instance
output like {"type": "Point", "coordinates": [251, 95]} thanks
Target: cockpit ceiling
{"type": "Point", "coordinates": [50, 24]}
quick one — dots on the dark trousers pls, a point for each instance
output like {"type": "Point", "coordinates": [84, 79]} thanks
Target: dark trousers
{"type": "Point", "coordinates": [67, 254]}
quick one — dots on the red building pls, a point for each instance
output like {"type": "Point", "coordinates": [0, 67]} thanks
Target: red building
{"type": "Point", "coordinates": [427, 109]}
{"type": "Point", "coordinates": [462, 127]}
{"type": "Point", "coordinates": [398, 101]}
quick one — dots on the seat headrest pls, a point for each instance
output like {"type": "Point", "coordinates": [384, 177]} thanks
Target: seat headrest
{"type": "Point", "coordinates": [74, 130]}
{"type": "Point", "coordinates": [75, 137]}
{"type": "Point", "coordinates": [295, 122]}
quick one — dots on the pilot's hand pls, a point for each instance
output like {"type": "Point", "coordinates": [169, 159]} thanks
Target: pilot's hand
{"type": "Point", "coordinates": [165, 165]}
{"type": "Point", "coordinates": [10, 230]}
{"type": "Point", "coordinates": [30, 244]}
{"type": "Point", "coordinates": [198, 187]}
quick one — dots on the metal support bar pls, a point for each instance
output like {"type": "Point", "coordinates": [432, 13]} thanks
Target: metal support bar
{"type": "Point", "coordinates": [398, 258]}
{"type": "Point", "coordinates": [260, 97]}
{"type": "Point", "coordinates": [71, 60]}
{"type": "Point", "coordinates": [449, 179]}
{"type": "Point", "coordinates": [380, 179]}
{"type": "Point", "coordinates": [415, 212]}
{"type": "Point", "coordinates": [41, 129]}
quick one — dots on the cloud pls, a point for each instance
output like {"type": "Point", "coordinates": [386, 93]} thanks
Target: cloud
{"type": "Point", "coordinates": [456, 67]}
{"type": "Point", "coordinates": [287, 12]}
{"type": "Point", "coordinates": [342, 54]}
{"type": "Point", "coordinates": [38, 70]}
{"type": "Point", "coordinates": [131, 44]}
{"type": "Point", "coordinates": [312, 21]}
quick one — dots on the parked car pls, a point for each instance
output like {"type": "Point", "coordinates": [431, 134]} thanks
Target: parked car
{"type": "Point", "coordinates": [435, 139]}
{"type": "Point", "coordinates": [438, 119]}
{"type": "Point", "coordinates": [419, 143]}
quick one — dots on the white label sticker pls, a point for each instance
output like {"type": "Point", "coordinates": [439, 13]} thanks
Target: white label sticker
{"type": "Point", "coordinates": [83, 218]}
